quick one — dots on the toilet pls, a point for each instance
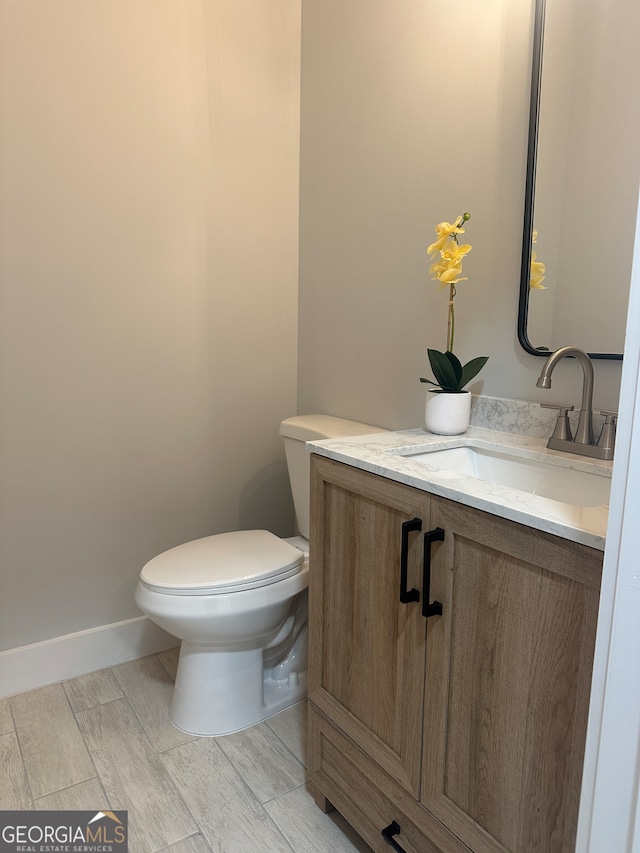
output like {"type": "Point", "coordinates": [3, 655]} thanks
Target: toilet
{"type": "Point", "coordinates": [238, 603]}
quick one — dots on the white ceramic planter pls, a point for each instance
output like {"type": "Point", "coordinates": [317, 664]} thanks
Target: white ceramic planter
{"type": "Point", "coordinates": [447, 414]}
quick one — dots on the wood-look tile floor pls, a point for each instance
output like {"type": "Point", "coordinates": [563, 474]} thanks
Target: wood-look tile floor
{"type": "Point", "coordinates": [104, 741]}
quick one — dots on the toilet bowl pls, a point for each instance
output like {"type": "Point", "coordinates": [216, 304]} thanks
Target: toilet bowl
{"type": "Point", "coordinates": [238, 603]}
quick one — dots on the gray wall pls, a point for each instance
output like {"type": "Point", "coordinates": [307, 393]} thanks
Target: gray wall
{"type": "Point", "coordinates": [148, 266]}
{"type": "Point", "coordinates": [412, 113]}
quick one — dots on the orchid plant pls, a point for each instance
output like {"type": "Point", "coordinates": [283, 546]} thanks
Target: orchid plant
{"type": "Point", "coordinates": [451, 375]}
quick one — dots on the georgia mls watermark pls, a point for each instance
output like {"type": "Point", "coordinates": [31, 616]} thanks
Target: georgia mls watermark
{"type": "Point", "coordinates": [63, 832]}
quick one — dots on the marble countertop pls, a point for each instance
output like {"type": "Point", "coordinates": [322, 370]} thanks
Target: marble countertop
{"type": "Point", "coordinates": [391, 455]}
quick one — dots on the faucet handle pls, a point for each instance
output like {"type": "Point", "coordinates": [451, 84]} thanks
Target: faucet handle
{"type": "Point", "coordinates": [607, 438]}
{"type": "Point", "coordinates": [562, 429]}
{"type": "Point", "coordinates": [609, 417]}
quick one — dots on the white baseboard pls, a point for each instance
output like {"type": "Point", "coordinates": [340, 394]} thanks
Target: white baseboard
{"type": "Point", "coordinates": [51, 661]}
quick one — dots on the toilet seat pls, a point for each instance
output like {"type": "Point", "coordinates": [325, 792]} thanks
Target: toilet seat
{"type": "Point", "coordinates": [223, 563]}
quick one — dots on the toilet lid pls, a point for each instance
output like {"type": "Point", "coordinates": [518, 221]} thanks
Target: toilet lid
{"type": "Point", "coordinates": [226, 562]}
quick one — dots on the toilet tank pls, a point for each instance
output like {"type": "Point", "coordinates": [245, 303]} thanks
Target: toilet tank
{"type": "Point", "coordinates": [295, 432]}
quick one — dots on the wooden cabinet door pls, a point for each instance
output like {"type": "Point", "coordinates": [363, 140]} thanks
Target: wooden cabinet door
{"type": "Point", "coordinates": [508, 676]}
{"type": "Point", "coordinates": [366, 647]}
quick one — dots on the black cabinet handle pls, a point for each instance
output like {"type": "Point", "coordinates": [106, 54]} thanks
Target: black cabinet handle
{"type": "Point", "coordinates": [388, 832]}
{"type": "Point", "coordinates": [435, 608]}
{"type": "Point", "coordinates": [407, 595]}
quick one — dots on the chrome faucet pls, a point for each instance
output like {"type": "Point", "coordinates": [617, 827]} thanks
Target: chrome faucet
{"type": "Point", "coordinates": [583, 442]}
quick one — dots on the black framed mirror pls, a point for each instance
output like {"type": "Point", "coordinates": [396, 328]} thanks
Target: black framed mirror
{"type": "Point", "coordinates": [583, 161]}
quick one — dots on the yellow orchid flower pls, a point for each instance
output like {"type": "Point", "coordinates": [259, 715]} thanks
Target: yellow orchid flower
{"type": "Point", "coordinates": [447, 273]}
{"type": "Point", "coordinates": [538, 270]}
{"type": "Point", "coordinates": [537, 267]}
{"type": "Point", "coordinates": [448, 269]}
{"type": "Point", "coordinates": [445, 231]}
{"type": "Point", "coordinates": [453, 252]}
{"type": "Point", "coordinates": [452, 280]}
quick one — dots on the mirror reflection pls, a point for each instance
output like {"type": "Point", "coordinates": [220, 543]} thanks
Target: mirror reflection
{"type": "Point", "coordinates": [583, 173]}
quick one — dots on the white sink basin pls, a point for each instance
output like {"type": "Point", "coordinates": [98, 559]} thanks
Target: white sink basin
{"type": "Point", "coordinates": [513, 468]}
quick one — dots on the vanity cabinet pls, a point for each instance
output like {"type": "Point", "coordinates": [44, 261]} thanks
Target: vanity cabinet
{"type": "Point", "coordinates": [450, 664]}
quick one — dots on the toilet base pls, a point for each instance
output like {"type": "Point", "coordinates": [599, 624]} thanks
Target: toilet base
{"type": "Point", "coordinates": [218, 693]}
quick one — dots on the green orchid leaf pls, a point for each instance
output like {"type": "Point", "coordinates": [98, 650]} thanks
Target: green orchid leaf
{"type": "Point", "coordinates": [472, 368]}
{"type": "Point", "coordinates": [455, 363]}
{"type": "Point", "coordinates": [428, 381]}
{"type": "Point", "coordinates": [443, 370]}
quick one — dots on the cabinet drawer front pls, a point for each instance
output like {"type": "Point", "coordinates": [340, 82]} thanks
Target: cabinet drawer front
{"type": "Point", "coordinates": [368, 798]}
